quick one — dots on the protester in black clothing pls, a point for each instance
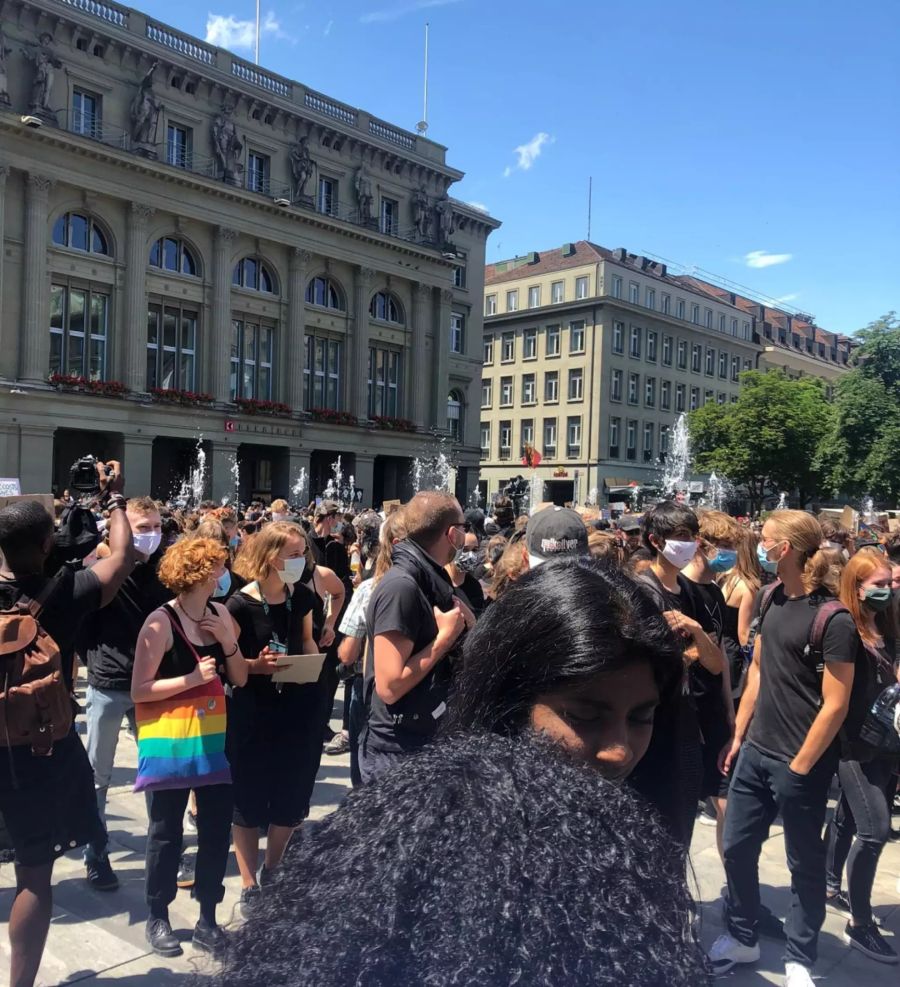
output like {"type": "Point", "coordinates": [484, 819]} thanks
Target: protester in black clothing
{"type": "Point", "coordinates": [48, 803]}
{"type": "Point", "coordinates": [273, 730]}
{"type": "Point", "coordinates": [461, 572]}
{"type": "Point", "coordinates": [504, 516]}
{"type": "Point", "coordinates": [182, 645]}
{"type": "Point", "coordinates": [412, 623]}
{"type": "Point", "coordinates": [786, 733]}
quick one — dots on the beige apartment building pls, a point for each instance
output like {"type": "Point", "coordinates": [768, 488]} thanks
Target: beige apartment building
{"type": "Point", "coordinates": [196, 249]}
{"type": "Point", "coordinates": [590, 356]}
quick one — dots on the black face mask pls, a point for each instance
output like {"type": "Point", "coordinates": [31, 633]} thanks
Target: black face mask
{"type": "Point", "coordinates": [469, 561]}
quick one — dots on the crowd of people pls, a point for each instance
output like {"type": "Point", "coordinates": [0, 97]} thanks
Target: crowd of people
{"type": "Point", "coordinates": [538, 708]}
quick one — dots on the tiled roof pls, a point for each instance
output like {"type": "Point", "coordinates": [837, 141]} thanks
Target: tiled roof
{"type": "Point", "coordinates": [547, 262]}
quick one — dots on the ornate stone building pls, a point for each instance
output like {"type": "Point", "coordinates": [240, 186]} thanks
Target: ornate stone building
{"type": "Point", "coordinates": [193, 247]}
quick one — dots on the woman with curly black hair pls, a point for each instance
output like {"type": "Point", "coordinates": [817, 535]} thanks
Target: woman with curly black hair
{"type": "Point", "coordinates": [487, 860]}
{"type": "Point", "coordinates": [578, 651]}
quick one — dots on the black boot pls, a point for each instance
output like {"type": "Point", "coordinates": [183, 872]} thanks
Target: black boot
{"type": "Point", "coordinates": [161, 938]}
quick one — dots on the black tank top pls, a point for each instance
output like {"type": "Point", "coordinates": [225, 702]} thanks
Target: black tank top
{"type": "Point", "coordinates": [318, 609]}
{"type": "Point", "coordinates": [179, 660]}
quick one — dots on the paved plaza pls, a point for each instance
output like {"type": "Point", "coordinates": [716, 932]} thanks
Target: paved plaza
{"type": "Point", "coordinates": [98, 938]}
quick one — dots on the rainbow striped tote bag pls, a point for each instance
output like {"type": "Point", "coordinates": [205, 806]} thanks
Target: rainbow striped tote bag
{"type": "Point", "coordinates": [181, 740]}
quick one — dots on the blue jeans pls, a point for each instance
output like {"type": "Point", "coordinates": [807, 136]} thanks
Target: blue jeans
{"type": "Point", "coordinates": [104, 711]}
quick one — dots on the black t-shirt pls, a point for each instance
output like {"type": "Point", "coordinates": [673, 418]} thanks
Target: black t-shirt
{"type": "Point", "coordinates": [708, 605]}
{"type": "Point", "coordinates": [399, 605]}
{"type": "Point", "coordinates": [790, 686]}
{"type": "Point", "coordinates": [471, 593]}
{"type": "Point", "coordinates": [76, 595]}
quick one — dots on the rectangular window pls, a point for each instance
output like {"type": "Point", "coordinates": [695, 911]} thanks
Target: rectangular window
{"type": "Point", "coordinates": [86, 114]}
{"type": "Point", "coordinates": [667, 351]}
{"type": "Point", "coordinates": [695, 314]}
{"type": "Point", "coordinates": [576, 337]}
{"type": "Point", "coordinates": [748, 364]}
{"type": "Point", "coordinates": [696, 357]}
{"type": "Point", "coordinates": [634, 383]}
{"type": "Point", "coordinates": [634, 342]}
{"type": "Point", "coordinates": [505, 439]}
{"type": "Point", "coordinates": [647, 447]}
{"type": "Point", "coordinates": [534, 296]}
{"type": "Point", "coordinates": [722, 321]}
{"type": "Point", "coordinates": [665, 395]}
{"type": "Point", "coordinates": [390, 216]}
{"type": "Point", "coordinates": [634, 292]}
{"type": "Point", "coordinates": [679, 308]}
{"type": "Point", "coordinates": [649, 392]}
{"type": "Point", "coordinates": [171, 347]}
{"type": "Point", "coordinates": [735, 368]}
{"type": "Point", "coordinates": [631, 439]}
{"type": "Point", "coordinates": [710, 361]}
{"type": "Point", "coordinates": [649, 298]}
{"type": "Point", "coordinates": [506, 392]}
{"type": "Point", "coordinates": [708, 318]}
{"type": "Point", "coordinates": [618, 337]}
{"type": "Point", "coordinates": [488, 352]}
{"type": "Point", "coordinates": [79, 320]}
{"type": "Point", "coordinates": [457, 332]}
{"type": "Point", "coordinates": [552, 341]}
{"type": "Point", "coordinates": [527, 435]}
{"type": "Point", "coordinates": [322, 373]}
{"type": "Point", "coordinates": [558, 292]}
{"type": "Point", "coordinates": [508, 347]}
{"type": "Point", "coordinates": [663, 441]}
{"type": "Point", "coordinates": [258, 170]}
{"type": "Point", "coordinates": [615, 427]}
{"type": "Point", "coordinates": [721, 397]}
{"type": "Point", "coordinates": [576, 385]}
{"type": "Point", "coordinates": [573, 437]}
{"type": "Point", "coordinates": [487, 393]}
{"type": "Point", "coordinates": [550, 437]}
{"type": "Point", "coordinates": [512, 300]}
{"type": "Point", "coordinates": [746, 330]}
{"type": "Point", "coordinates": [485, 440]}
{"type": "Point", "coordinates": [529, 388]}
{"type": "Point", "coordinates": [651, 345]}
{"type": "Point", "coordinates": [723, 365]}
{"type": "Point", "coordinates": [616, 287]}
{"type": "Point", "coordinates": [327, 200]}
{"type": "Point", "coordinates": [179, 146]}
{"type": "Point", "coordinates": [616, 386]}
{"type": "Point", "coordinates": [529, 344]}
{"type": "Point", "coordinates": [682, 354]}
{"type": "Point", "coordinates": [251, 360]}
{"type": "Point", "coordinates": [490, 305]}
{"type": "Point", "coordinates": [679, 398]}
{"type": "Point", "coordinates": [734, 323]}
{"type": "Point", "coordinates": [459, 275]}
{"type": "Point", "coordinates": [695, 398]}
{"type": "Point", "coordinates": [384, 376]}
{"type": "Point", "coordinates": [666, 304]}
{"type": "Point", "coordinates": [581, 287]}
{"type": "Point", "coordinates": [551, 386]}
{"type": "Point", "coordinates": [708, 396]}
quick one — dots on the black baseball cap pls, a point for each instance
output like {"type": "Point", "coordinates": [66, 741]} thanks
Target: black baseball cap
{"type": "Point", "coordinates": [553, 533]}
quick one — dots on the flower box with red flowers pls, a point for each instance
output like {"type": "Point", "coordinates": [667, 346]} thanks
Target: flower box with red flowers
{"type": "Point", "coordinates": [392, 424]}
{"type": "Point", "coordinates": [174, 395]}
{"type": "Point", "coordinates": [330, 417]}
{"type": "Point", "coordinates": [71, 382]}
{"type": "Point", "coordinates": [254, 406]}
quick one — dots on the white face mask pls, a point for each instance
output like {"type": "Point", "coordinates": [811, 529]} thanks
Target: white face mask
{"type": "Point", "coordinates": [292, 571]}
{"type": "Point", "coordinates": [679, 553]}
{"type": "Point", "coordinates": [147, 542]}
{"type": "Point", "coordinates": [278, 516]}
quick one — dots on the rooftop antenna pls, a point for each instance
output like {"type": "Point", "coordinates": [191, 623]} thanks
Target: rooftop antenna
{"type": "Point", "coordinates": [422, 125]}
{"type": "Point", "coordinates": [590, 202]}
{"type": "Point", "coordinates": [257, 32]}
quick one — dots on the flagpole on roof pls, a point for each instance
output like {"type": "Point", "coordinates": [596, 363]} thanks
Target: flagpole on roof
{"type": "Point", "coordinates": [257, 32]}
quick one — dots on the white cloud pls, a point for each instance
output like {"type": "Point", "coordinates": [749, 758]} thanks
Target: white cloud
{"type": "Point", "coordinates": [784, 299]}
{"type": "Point", "coordinates": [229, 32]}
{"type": "Point", "coordinates": [761, 258]}
{"type": "Point", "coordinates": [480, 206]}
{"type": "Point", "coordinates": [527, 154]}
{"type": "Point", "coordinates": [395, 13]}
{"type": "Point", "coordinates": [328, 28]}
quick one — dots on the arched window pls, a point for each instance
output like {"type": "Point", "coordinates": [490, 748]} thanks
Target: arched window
{"type": "Point", "coordinates": [80, 232]}
{"type": "Point", "coordinates": [455, 415]}
{"type": "Point", "coordinates": [171, 254]}
{"type": "Point", "coordinates": [254, 274]}
{"type": "Point", "coordinates": [386, 307]}
{"type": "Point", "coordinates": [325, 292]}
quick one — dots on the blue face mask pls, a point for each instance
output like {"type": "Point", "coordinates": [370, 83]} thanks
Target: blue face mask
{"type": "Point", "coordinates": [223, 584]}
{"type": "Point", "coordinates": [234, 541]}
{"type": "Point", "coordinates": [724, 560]}
{"type": "Point", "coordinates": [763, 557]}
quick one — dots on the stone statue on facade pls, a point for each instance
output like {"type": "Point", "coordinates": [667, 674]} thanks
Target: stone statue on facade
{"type": "Point", "coordinates": [145, 109]}
{"type": "Point", "coordinates": [302, 168]}
{"type": "Point", "coordinates": [421, 212]}
{"type": "Point", "coordinates": [227, 145]}
{"type": "Point", "coordinates": [45, 64]}
{"type": "Point", "coordinates": [443, 211]}
{"type": "Point", "coordinates": [363, 186]}
{"type": "Point", "coordinates": [4, 79]}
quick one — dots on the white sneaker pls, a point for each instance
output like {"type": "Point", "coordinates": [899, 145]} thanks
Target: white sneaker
{"type": "Point", "coordinates": [726, 952]}
{"type": "Point", "coordinates": [797, 975]}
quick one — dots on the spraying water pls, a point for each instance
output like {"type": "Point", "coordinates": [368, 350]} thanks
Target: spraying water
{"type": "Point", "coordinates": [868, 510]}
{"type": "Point", "coordinates": [592, 496]}
{"type": "Point", "coordinates": [718, 492]}
{"type": "Point", "coordinates": [301, 484]}
{"type": "Point", "coordinates": [782, 501]}
{"type": "Point", "coordinates": [535, 492]}
{"type": "Point", "coordinates": [678, 461]}
{"type": "Point", "coordinates": [432, 472]}
{"type": "Point", "coordinates": [192, 487]}
{"type": "Point", "coordinates": [475, 497]}
{"type": "Point", "coordinates": [235, 470]}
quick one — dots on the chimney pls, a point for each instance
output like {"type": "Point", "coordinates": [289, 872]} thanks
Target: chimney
{"type": "Point", "coordinates": [532, 258]}
{"type": "Point", "coordinates": [641, 263]}
{"type": "Point", "coordinates": [568, 249]}
{"type": "Point", "coordinates": [620, 253]}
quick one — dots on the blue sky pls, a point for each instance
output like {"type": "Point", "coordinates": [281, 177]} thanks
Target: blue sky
{"type": "Point", "coordinates": [754, 139]}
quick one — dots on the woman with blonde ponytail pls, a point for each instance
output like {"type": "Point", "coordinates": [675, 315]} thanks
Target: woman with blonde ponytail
{"type": "Point", "coordinates": [793, 706]}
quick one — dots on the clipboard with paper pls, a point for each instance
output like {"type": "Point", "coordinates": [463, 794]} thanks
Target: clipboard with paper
{"type": "Point", "coordinates": [298, 669]}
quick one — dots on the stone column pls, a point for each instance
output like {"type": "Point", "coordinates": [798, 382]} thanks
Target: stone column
{"type": "Point", "coordinates": [34, 346]}
{"type": "Point", "coordinates": [441, 357]}
{"type": "Point", "coordinates": [218, 336]}
{"type": "Point", "coordinates": [134, 324]}
{"type": "Point", "coordinates": [137, 464]}
{"type": "Point", "coordinates": [417, 401]}
{"type": "Point", "coordinates": [220, 460]}
{"type": "Point", "coordinates": [36, 458]}
{"type": "Point", "coordinates": [358, 403]}
{"type": "Point", "coordinates": [364, 477]}
{"type": "Point", "coordinates": [295, 351]}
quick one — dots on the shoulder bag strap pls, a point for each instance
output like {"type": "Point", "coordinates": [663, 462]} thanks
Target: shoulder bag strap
{"type": "Point", "coordinates": [36, 605]}
{"type": "Point", "coordinates": [176, 626]}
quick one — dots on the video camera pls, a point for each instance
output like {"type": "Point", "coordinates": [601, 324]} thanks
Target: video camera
{"type": "Point", "coordinates": [84, 477]}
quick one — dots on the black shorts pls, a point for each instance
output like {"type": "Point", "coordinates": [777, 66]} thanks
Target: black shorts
{"type": "Point", "coordinates": [274, 748]}
{"type": "Point", "coordinates": [715, 735]}
{"type": "Point", "coordinates": [48, 803]}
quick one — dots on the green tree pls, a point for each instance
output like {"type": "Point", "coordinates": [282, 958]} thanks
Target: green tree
{"type": "Point", "coordinates": [768, 439]}
{"type": "Point", "coordinates": [860, 453]}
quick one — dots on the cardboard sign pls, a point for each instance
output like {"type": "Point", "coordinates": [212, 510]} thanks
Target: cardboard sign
{"type": "Point", "coordinates": [10, 487]}
{"type": "Point", "coordinates": [893, 524]}
{"type": "Point", "coordinates": [45, 500]}
{"type": "Point", "coordinates": [848, 519]}
{"type": "Point", "coordinates": [389, 506]}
